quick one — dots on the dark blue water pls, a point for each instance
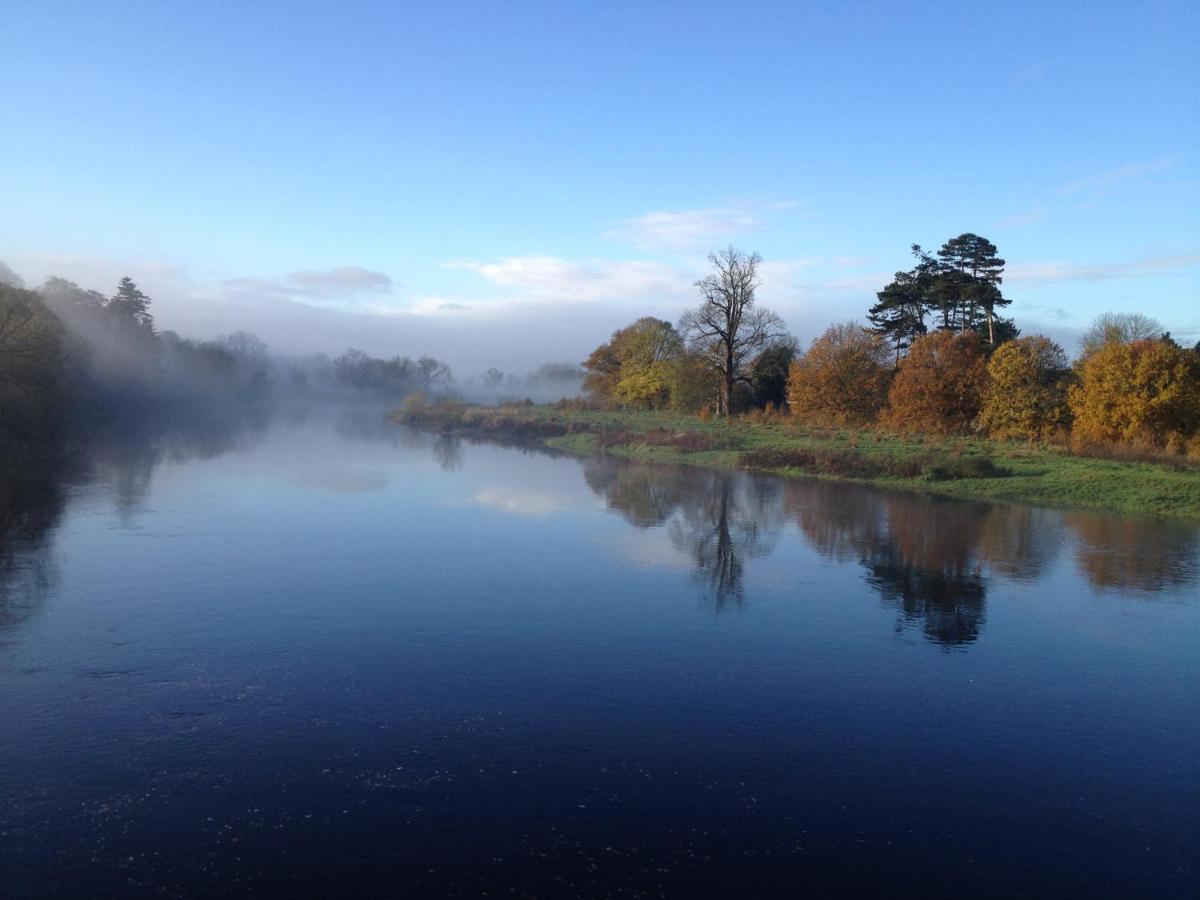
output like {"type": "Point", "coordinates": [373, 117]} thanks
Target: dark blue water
{"type": "Point", "coordinates": [329, 655]}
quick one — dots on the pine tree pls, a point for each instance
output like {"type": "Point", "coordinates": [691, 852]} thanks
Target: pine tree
{"type": "Point", "coordinates": [899, 316]}
{"type": "Point", "coordinates": [970, 283]}
{"type": "Point", "coordinates": [129, 306]}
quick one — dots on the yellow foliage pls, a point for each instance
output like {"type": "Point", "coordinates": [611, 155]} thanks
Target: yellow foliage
{"type": "Point", "coordinates": [648, 386]}
{"type": "Point", "coordinates": [1139, 392]}
{"type": "Point", "coordinates": [1025, 396]}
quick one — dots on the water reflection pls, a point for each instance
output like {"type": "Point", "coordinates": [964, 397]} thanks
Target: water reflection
{"type": "Point", "coordinates": [32, 497]}
{"type": "Point", "coordinates": [929, 558]}
{"type": "Point", "coordinates": [719, 519]}
{"type": "Point", "coordinates": [924, 555]}
{"type": "Point", "coordinates": [1128, 554]}
{"type": "Point", "coordinates": [119, 462]}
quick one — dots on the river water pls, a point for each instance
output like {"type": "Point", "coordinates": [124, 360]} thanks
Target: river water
{"type": "Point", "coordinates": [326, 654]}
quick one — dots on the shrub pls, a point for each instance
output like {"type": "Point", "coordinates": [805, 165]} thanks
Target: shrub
{"type": "Point", "coordinates": [849, 464]}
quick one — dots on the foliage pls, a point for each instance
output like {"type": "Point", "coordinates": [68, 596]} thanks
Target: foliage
{"type": "Point", "coordinates": [960, 285]}
{"type": "Point", "coordinates": [648, 387]}
{"type": "Point", "coordinates": [969, 290]}
{"type": "Point", "coordinates": [1026, 394]}
{"type": "Point", "coordinates": [769, 373]}
{"type": "Point", "coordinates": [129, 307]}
{"type": "Point", "coordinates": [692, 384]}
{"type": "Point", "coordinates": [939, 384]}
{"type": "Point", "coordinates": [899, 314]}
{"type": "Point", "coordinates": [32, 362]}
{"type": "Point", "coordinates": [842, 377]}
{"type": "Point", "coordinates": [1143, 391]}
{"type": "Point", "coordinates": [634, 366]}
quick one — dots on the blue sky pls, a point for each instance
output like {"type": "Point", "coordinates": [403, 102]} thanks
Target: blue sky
{"type": "Point", "coordinates": [505, 183]}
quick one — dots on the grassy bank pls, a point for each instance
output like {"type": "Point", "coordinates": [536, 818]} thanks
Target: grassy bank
{"type": "Point", "coordinates": [962, 467]}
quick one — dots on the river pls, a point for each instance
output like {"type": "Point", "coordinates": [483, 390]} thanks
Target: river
{"type": "Point", "coordinates": [324, 654]}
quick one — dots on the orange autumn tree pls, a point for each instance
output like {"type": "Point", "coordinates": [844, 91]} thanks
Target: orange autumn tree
{"type": "Point", "coordinates": [1145, 391]}
{"type": "Point", "coordinates": [1025, 396]}
{"type": "Point", "coordinates": [939, 385]}
{"type": "Point", "coordinates": [842, 378]}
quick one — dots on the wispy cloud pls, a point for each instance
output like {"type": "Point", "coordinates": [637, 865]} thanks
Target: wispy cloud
{"type": "Point", "coordinates": [1035, 71]}
{"type": "Point", "coordinates": [343, 286]}
{"type": "Point", "coordinates": [1051, 272]}
{"type": "Point", "coordinates": [1025, 217]}
{"type": "Point", "coordinates": [684, 229]}
{"type": "Point", "coordinates": [554, 278]}
{"type": "Point", "coordinates": [1101, 182]}
{"type": "Point", "coordinates": [1086, 191]}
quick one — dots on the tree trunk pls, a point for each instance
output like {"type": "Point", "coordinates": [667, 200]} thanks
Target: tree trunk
{"type": "Point", "coordinates": [727, 383]}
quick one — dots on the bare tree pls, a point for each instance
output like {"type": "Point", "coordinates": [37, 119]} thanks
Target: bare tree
{"type": "Point", "coordinates": [727, 329]}
{"type": "Point", "coordinates": [1119, 328]}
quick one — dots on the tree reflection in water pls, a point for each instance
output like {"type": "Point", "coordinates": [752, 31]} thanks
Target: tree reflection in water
{"type": "Point", "coordinates": [922, 554]}
{"type": "Point", "coordinates": [1132, 554]}
{"type": "Point", "coordinates": [720, 519]}
{"type": "Point", "coordinates": [930, 558]}
{"type": "Point", "coordinates": [118, 460]}
{"type": "Point", "coordinates": [32, 496]}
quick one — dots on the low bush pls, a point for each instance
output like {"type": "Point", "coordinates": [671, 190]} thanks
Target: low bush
{"type": "Point", "coordinates": [685, 441]}
{"type": "Point", "coordinates": [849, 464]}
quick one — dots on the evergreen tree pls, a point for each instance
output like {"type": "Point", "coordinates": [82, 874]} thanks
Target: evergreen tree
{"type": "Point", "coordinates": [899, 316]}
{"type": "Point", "coordinates": [129, 306]}
{"type": "Point", "coordinates": [970, 283]}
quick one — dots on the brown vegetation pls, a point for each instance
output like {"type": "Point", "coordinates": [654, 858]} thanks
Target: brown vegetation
{"type": "Point", "coordinates": [939, 385]}
{"type": "Point", "coordinates": [842, 378]}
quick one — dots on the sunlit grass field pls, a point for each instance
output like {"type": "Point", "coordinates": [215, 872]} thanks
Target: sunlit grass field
{"type": "Point", "coordinates": [959, 466]}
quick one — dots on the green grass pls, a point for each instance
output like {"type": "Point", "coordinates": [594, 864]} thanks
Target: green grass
{"type": "Point", "coordinates": [957, 466]}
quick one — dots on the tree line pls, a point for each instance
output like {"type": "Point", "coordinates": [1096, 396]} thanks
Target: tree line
{"type": "Point", "coordinates": [935, 354]}
{"type": "Point", "coordinates": [69, 354]}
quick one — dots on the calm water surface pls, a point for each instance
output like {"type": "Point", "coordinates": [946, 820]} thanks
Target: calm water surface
{"type": "Point", "coordinates": [327, 654]}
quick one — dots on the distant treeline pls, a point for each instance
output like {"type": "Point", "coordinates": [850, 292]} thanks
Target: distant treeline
{"type": "Point", "coordinates": [68, 354]}
{"type": "Point", "coordinates": [934, 355]}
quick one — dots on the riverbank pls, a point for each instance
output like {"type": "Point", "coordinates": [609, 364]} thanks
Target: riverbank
{"type": "Point", "coordinates": [957, 466]}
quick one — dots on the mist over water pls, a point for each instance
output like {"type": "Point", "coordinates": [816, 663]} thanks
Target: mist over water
{"type": "Point", "coordinates": [315, 651]}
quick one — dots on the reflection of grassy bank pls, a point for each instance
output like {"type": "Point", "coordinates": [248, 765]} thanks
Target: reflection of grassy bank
{"type": "Point", "coordinates": [965, 467]}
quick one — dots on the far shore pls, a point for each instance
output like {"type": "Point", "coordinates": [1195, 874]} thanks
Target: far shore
{"type": "Point", "coordinates": [959, 466]}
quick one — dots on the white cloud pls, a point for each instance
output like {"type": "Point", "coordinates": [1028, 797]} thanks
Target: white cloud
{"type": "Point", "coordinates": [684, 229]}
{"type": "Point", "coordinates": [330, 287]}
{"type": "Point", "coordinates": [1050, 272]}
{"type": "Point", "coordinates": [520, 502]}
{"type": "Point", "coordinates": [590, 281]}
{"type": "Point", "coordinates": [1101, 182]}
{"type": "Point", "coordinates": [446, 306]}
